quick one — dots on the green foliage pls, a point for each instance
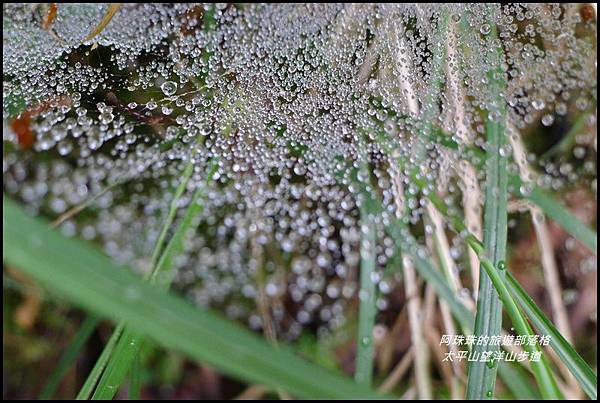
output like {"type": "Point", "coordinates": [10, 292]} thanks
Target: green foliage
{"type": "Point", "coordinates": [81, 274]}
{"type": "Point", "coordinates": [488, 319]}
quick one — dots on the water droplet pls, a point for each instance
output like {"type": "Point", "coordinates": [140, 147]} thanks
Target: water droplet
{"type": "Point", "coordinates": [169, 88]}
{"type": "Point", "coordinates": [547, 120]}
{"type": "Point", "coordinates": [505, 150]}
{"type": "Point", "coordinates": [538, 104]}
{"type": "Point", "coordinates": [106, 117]}
{"type": "Point", "coordinates": [364, 295]}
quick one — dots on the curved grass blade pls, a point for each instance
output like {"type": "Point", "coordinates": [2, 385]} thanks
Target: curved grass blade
{"type": "Point", "coordinates": [405, 241]}
{"type": "Point", "coordinates": [541, 369]}
{"type": "Point", "coordinates": [81, 274]}
{"type": "Point", "coordinates": [578, 367]}
{"type": "Point", "coordinates": [135, 381]}
{"type": "Point", "coordinates": [570, 138]}
{"type": "Point", "coordinates": [90, 383]}
{"type": "Point", "coordinates": [118, 355]}
{"type": "Point", "coordinates": [559, 214]}
{"type": "Point", "coordinates": [117, 368]}
{"type": "Point", "coordinates": [459, 226]}
{"type": "Point", "coordinates": [129, 345]}
{"type": "Point", "coordinates": [79, 340]}
{"type": "Point", "coordinates": [175, 245]}
{"type": "Point", "coordinates": [187, 173]}
{"type": "Point", "coordinates": [516, 383]}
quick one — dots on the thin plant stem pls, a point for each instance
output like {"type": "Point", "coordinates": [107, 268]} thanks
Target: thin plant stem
{"type": "Point", "coordinates": [365, 347]}
{"type": "Point", "coordinates": [90, 383]}
{"type": "Point", "coordinates": [398, 372]}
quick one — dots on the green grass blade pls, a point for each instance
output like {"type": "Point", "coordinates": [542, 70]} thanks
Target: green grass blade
{"type": "Point", "coordinates": [14, 105]}
{"type": "Point", "coordinates": [570, 138]}
{"type": "Point", "coordinates": [458, 224]}
{"type": "Point", "coordinates": [559, 214]}
{"type": "Point", "coordinates": [79, 340]}
{"type": "Point", "coordinates": [578, 367]}
{"type": "Point", "coordinates": [129, 344]}
{"type": "Point", "coordinates": [135, 381]}
{"type": "Point", "coordinates": [175, 245]}
{"type": "Point", "coordinates": [119, 365]}
{"type": "Point", "coordinates": [81, 274]}
{"type": "Point", "coordinates": [187, 173]}
{"type": "Point", "coordinates": [516, 379]}
{"type": "Point", "coordinates": [520, 387]}
{"type": "Point", "coordinates": [367, 296]}
{"type": "Point", "coordinates": [90, 383]}
{"type": "Point", "coordinates": [541, 369]}
{"type": "Point", "coordinates": [488, 319]}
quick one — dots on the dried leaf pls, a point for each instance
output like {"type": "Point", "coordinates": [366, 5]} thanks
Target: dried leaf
{"type": "Point", "coordinates": [110, 13]}
{"type": "Point", "coordinates": [50, 16]}
{"type": "Point", "coordinates": [22, 128]}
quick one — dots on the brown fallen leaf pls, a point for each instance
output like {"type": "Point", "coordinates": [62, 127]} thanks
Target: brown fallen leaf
{"type": "Point", "coordinates": [110, 13]}
{"type": "Point", "coordinates": [21, 125]}
{"type": "Point", "coordinates": [50, 16]}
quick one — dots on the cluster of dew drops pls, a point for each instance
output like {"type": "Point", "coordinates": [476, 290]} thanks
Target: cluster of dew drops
{"type": "Point", "coordinates": [303, 108]}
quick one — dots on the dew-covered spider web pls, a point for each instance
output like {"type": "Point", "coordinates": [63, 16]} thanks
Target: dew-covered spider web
{"type": "Point", "coordinates": [308, 111]}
